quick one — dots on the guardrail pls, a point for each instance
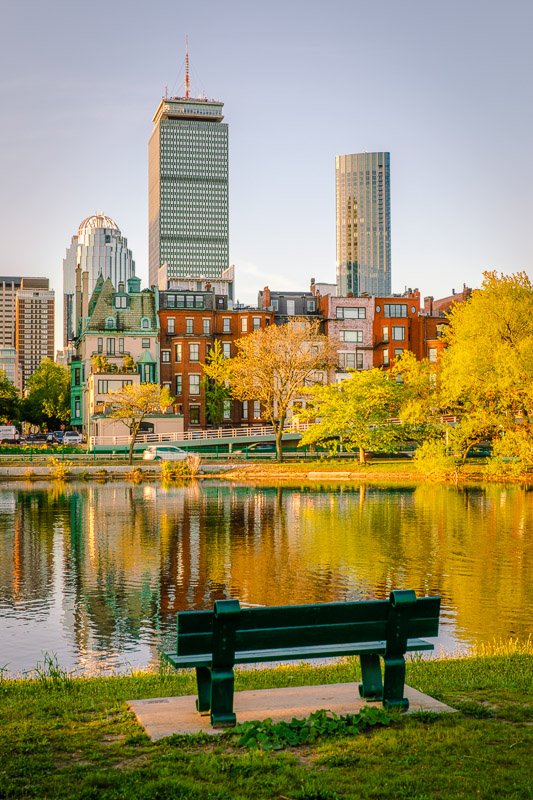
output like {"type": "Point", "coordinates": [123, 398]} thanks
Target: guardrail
{"type": "Point", "coordinates": [186, 436]}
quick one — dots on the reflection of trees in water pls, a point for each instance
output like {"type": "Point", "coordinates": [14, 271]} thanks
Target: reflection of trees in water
{"type": "Point", "coordinates": [132, 556]}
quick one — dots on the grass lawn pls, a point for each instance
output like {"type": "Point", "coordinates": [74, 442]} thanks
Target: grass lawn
{"type": "Point", "coordinates": [76, 738]}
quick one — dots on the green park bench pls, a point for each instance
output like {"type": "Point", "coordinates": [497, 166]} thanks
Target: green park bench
{"type": "Point", "coordinates": [213, 642]}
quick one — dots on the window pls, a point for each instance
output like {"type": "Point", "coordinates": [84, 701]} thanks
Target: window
{"type": "Point", "coordinates": [244, 412]}
{"type": "Point", "coordinates": [226, 324]}
{"type": "Point", "coordinates": [110, 323]}
{"type": "Point", "coordinates": [180, 301]}
{"type": "Point", "coordinates": [199, 301]}
{"type": "Point", "coordinates": [398, 333]}
{"type": "Point", "coordinates": [77, 376]}
{"type": "Point", "coordinates": [145, 323]}
{"type": "Point", "coordinates": [256, 323]}
{"type": "Point", "coordinates": [311, 306]}
{"type": "Point", "coordinates": [189, 326]}
{"type": "Point", "coordinates": [189, 300]}
{"type": "Point", "coordinates": [165, 356]}
{"type": "Point", "coordinates": [352, 336]}
{"type": "Point", "coordinates": [432, 355]}
{"type": "Point", "coordinates": [103, 387]}
{"type": "Point", "coordinates": [77, 408]}
{"type": "Point", "coordinates": [178, 384]}
{"type": "Point", "coordinates": [110, 347]}
{"type": "Point", "coordinates": [145, 344]}
{"type": "Point", "coordinates": [171, 325]}
{"type": "Point", "coordinates": [226, 349]}
{"type": "Point", "coordinates": [121, 346]}
{"type": "Point", "coordinates": [167, 385]}
{"type": "Point", "coordinates": [194, 384]}
{"type": "Point", "coordinates": [227, 409]}
{"type": "Point", "coordinates": [194, 352]}
{"type": "Point", "coordinates": [178, 352]}
{"type": "Point", "coordinates": [100, 345]}
{"type": "Point", "coordinates": [290, 308]}
{"type": "Point", "coordinates": [171, 301]}
{"type": "Point", "coordinates": [257, 409]}
{"type": "Point", "coordinates": [386, 361]}
{"type": "Point", "coordinates": [244, 325]}
{"type": "Point", "coordinates": [206, 326]}
{"type": "Point", "coordinates": [350, 313]}
{"type": "Point", "coordinates": [120, 301]}
{"type": "Point", "coordinates": [194, 415]}
{"type": "Point", "coordinates": [398, 351]}
{"type": "Point", "coordinates": [275, 305]}
{"type": "Point", "coordinates": [394, 309]}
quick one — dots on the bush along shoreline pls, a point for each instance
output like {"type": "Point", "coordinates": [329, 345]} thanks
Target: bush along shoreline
{"type": "Point", "coordinates": [66, 737]}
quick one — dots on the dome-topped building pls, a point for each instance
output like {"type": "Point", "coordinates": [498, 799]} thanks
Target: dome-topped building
{"type": "Point", "coordinates": [98, 248]}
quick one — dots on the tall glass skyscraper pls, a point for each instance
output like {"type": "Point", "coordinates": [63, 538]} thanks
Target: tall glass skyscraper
{"type": "Point", "coordinates": [363, 224]}
{"type": "Point", "coordinates": [188, 189]}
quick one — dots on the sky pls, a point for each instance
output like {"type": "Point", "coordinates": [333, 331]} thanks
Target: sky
{"type": "Point", "coordinates": [446, 88]}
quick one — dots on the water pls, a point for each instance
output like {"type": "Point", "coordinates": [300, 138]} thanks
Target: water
{"type": "Point", "coordinates": [95, 573]}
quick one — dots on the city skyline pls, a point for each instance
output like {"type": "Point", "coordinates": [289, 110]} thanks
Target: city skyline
{"type": "Point", "coordinates": [446, 98]}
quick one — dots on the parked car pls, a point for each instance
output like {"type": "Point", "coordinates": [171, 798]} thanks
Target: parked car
{"type": "Point", "coordinates": [72, 437]}
{"type": "Point", "coordinates": [165, 452]}
{"type": "Point", "coordinates": [258, 449]}
{"type": "Point", "coordinates": [55, 437]}
{"type": "Point", "coordinates": [36, 438]}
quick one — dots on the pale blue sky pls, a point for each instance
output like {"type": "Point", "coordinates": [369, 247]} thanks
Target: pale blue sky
{"type": "Point", "coordinates": [445, 87]}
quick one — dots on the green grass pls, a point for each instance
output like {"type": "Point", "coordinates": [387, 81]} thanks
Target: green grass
{"type": "Point", "coordinates": [76, 738]}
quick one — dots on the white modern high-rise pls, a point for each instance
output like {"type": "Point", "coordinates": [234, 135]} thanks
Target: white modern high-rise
{"type": "Point", "coordinates": [97, 249]}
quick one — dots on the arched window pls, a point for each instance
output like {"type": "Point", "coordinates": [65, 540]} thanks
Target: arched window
{"type": "Point", "coordinates": [110, 323]}
{"type": "Point", "coordinates": [145, 323]}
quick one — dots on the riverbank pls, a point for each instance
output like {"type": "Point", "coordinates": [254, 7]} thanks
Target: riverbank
{"type": "Point", "coordinates": [257, 472]}
{"type": "Point", "coordinates": [76, 738]}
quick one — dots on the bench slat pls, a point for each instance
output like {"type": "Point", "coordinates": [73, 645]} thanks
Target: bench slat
{"type": "Point", "coordinates": [295, 653]}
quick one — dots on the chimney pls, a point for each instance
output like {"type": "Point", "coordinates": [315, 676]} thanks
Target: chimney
{"type": "Point", "coordinates": [77, 302]}
{"type": "Point", "coordinates": [266, 297]}
{"type": "Point", "coordinates": [428, 305]}
{"type": "Point", "coordinates": [84, 295]}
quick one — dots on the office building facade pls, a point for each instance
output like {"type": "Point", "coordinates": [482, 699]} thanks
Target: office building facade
{"type": "Point", "coordinates": [34, 325]}
{"type": "Point", "coordinates": [188, 190]}
{"type": "Point", "coordinates": [97, 249]}
{"type": "Point", "coordinates": [362, 183]}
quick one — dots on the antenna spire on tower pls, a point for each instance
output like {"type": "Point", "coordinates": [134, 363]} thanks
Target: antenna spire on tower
{"type": "Point", "coordinates": [186, 66]}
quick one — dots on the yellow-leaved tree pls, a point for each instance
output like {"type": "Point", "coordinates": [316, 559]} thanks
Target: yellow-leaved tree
{"type": "Point", "coordinates": [274, 364]}
{"type": "Point", "coordinates": [133, 402]}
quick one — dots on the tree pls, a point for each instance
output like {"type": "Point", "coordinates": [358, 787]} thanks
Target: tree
{"type": "Point", "coordinates": [273, 364]}
{"type": "Point", "coordinates": [488, 363]}
{"type": "Point", "coordinates": [48, 400]}
{"type": "Point", "coordinates": [354, 413]}
{"type": "Point", "coordinates": [133, 402]}
{"type": "Point", "coordinates": [216, 383]}
{"type": "Point", "coordinates": [9, 400]}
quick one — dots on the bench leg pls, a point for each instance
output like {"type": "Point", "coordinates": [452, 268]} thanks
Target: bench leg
{"type": "Point", "coordinates": [372, 687]}
{"type": "Point", "coordinates": [203, 683]}
{"type": "Point", "coordinates": [393, 686]}
{"type": "Point", "coordinates": [222, 715]}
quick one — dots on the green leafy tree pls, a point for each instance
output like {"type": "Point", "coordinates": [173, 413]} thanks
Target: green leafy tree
{"type": "Point", "coordinates": [216, 383]}
{"type": "Point", "coordinates": [9, 400]}
{"type": "Point", "coordinates": [355, 413]}
{"type": "Point", "coordinates": [273, 364]}
{"type": "Point", "coordinates": [48, 401]}
{"type": "Point", "coordinates": [133, 402]}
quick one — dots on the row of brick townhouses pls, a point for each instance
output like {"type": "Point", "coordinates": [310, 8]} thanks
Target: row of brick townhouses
{"type": "Point", "coordinates": [164, 335]}
{"type": "Point", "coordinates": [190, 322]}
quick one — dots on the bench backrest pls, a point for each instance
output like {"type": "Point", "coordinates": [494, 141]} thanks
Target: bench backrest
{"type": "Point", "coordinates": [403, 616]}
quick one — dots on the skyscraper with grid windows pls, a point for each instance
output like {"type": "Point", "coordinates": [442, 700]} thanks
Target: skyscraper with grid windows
{"type": "Point", "coordinates": [188, 189]}
{"type": "Point", "coordinates": [362, 183]}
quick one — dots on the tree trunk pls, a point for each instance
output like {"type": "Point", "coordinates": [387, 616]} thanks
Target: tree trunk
{"type": "Point", "coordinates": [133, 435]}
{"type": "Point", "coordinates": [278, 427]}
{"type": "Point", "coordinates": [362, 457]}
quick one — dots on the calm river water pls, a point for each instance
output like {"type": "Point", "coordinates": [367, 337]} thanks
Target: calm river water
{"type": "Point", "coordinates": [94, 574]}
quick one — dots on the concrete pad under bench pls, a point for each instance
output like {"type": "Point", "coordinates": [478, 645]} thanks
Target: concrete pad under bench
{"type": "Point", "coordinates": [164, 716]}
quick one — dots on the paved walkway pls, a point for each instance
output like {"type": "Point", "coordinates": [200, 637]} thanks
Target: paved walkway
{"type": "Point", "coordinates": [163, 716]}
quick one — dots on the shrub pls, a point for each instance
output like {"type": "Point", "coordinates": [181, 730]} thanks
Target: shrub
{"type": "Point", "coordinates": [177, 470]}
{"type": "Point", "coordinates": [59, 470]}
{"type": "Point", "coordinates": [432, 460]}
{"type": "Point", "coordinates": [512, 454]}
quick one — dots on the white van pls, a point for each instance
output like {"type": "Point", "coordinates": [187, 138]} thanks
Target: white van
{"type": "Point", "coordinates": [9, 434]}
